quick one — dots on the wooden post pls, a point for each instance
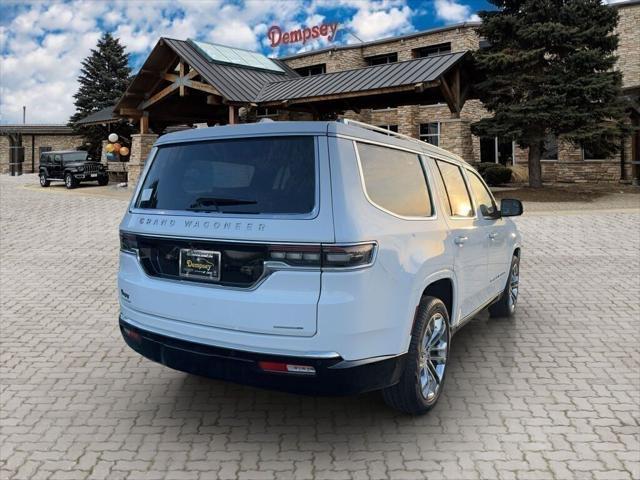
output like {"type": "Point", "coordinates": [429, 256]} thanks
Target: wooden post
{"type": "Point", "coordinates": [144, 123]}
{"type": "Point", "coordinates": [233, 115]}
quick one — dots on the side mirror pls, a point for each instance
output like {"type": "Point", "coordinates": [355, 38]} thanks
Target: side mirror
{"type": "Point", "coordinates": [510, 207]}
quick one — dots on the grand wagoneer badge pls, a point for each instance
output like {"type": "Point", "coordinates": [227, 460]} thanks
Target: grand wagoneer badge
{"type": "Point", "coordinates": [200, 264]}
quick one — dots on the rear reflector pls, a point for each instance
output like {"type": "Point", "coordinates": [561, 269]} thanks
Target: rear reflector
{"type": "Point", "coordinates": [286, 368]}
{"type": "Point", "coordinates": [135, 336]}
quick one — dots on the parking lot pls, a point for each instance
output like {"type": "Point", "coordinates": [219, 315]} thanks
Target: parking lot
{"type": "Point", "coordinates": [554, 393]}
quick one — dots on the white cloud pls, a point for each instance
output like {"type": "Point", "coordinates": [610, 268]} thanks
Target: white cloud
{"type": "Point", "coordinates": [452, 11]}
{"type": "Point", "coordinates": [371, 23]}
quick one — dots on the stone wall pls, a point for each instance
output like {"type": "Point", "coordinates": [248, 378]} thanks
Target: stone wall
{"type": "Point", "coordinates": [629, 44]}
{"type": "Point", "coordinates": [56, 142]}
{"type": "Point", "coordinates": [141, 145]}
{"type": "Point", "coordinates": [4, 154]}
{"type": "Point", "coordinates": [461, 38]}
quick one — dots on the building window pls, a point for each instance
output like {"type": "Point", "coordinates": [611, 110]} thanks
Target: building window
{"type": "Point", "coordinates": [264, 112]}
{"type": "Point", "coordinates": [311, 70]}
{"type": "Point", "coordinates": [550, 147]}
{"type": "Point", "coordinates": [593, 151]}
{"type": "Point", "coordinates": [432, 50]}
{"type": "Point", "coordinates": [391, 128]}
{"type": "Point", "coordinates": [382, 59]}
{"type": "Point", "coordinates": [430, 133]}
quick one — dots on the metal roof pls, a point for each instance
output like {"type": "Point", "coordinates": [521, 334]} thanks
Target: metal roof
{"type": "Point", "coordinates": [390, 75]}
{"type": "Point", "coordinates": [106, 115]}
{"type": "Point", "coordinates": [236, 84]}
{"type": "Point", "coordinates": [36, 129]}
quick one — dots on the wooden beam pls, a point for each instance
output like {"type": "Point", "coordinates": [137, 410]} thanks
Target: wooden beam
{"type": "Point", "coordinates": [144, 123]}
{"type": "Point", "coordinates": [181, 83]}
{"type": "Point", "coordinates": [449, 97]}
{"type": "Point", "coordinates": [130, 112]}
{"type": "Point", "coordinates": [202, 86]}
{"type": "Point", "coordinates": [158, 96]}
{"type": "Point", "coordinates": [233, 115]}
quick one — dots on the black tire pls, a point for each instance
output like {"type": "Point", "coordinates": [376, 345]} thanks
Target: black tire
{"type": "Point", "coordinates": [70, 181]}
{"type": "Point", "coordinates": [102, 181]}
{"type": "Point", "coordinates": [43, 180]}
{"type": "Point", "coordinates": [506, 305]}
{"type": "Point", "coordinates": [407, 395]}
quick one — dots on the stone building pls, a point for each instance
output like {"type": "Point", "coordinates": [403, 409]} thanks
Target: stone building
{"type": "Point", "coordinates": [439, 125]}
{"type": "Point", "coordinates": [27, 141]}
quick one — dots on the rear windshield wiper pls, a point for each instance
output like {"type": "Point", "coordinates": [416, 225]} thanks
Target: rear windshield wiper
{"type": "Point", "coordinates": [203, 203]}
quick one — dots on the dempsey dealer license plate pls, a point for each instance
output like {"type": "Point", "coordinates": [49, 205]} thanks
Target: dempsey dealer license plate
{"type": "Point", "coordinates": [200, 264]}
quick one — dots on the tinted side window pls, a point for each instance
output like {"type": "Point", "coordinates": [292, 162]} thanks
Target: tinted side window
{"type": "Point", "coordinates": [395, 180]}
{"type": "Point", "coordinates": [457, 194]}
{"type": "Point", "coordinates": [481, 195]}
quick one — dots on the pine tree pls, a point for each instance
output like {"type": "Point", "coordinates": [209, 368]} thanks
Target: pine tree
{"type": "Point", "coordinates": [103, 79]}
{"type": "Point", "coordinates": [549, 69]}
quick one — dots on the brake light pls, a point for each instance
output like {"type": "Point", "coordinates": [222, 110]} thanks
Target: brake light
{"type": "Point", "coordinates": [296, 255]}
{"type": "Point", "coordinates": [128, 243]}
{"type": "Point", "coordinates": [327, 256]}
{"type": "Point", "coordinates": [348, 256]}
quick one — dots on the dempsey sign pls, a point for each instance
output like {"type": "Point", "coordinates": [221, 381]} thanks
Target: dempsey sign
{"type": "Point", "coordinates": [277, 36]}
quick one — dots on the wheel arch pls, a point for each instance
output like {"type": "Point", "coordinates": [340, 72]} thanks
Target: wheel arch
{"type": "Point", "coordinates": [442, 285]}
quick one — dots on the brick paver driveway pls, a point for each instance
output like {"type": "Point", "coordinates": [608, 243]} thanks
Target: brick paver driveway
{"type": "Point", "coordinates": [552, 394]}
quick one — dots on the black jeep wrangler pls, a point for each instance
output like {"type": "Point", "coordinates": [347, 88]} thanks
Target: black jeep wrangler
{"type": "Point", "coordinates": [72, 167]}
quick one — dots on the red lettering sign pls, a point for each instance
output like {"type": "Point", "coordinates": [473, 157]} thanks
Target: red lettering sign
{"type": "Point", "coordinates": [277, 37]}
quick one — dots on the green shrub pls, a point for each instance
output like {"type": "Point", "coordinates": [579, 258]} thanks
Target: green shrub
{"type": "Point", "coordinates": [482, 167]}
{"type": "Point", "coordinates": [496, 174]}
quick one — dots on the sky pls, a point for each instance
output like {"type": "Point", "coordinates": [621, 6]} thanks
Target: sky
{"type": "Point", "coordinates": [42, 43]}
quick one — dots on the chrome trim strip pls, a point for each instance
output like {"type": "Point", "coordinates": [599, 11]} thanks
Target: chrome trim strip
{"type": "Point", "coordinates": [469, 317]}
{"type": "Point", "coordinates": [364, 361]}
{"type": "Point", "coordinates": [266, 351]}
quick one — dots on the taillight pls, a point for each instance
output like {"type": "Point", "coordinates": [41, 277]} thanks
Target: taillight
{"type": "Point", "coordinates": [326, 256]}
{"type": "Point", "coordinates": [296, 255]}
{"type": "Point", "coordinates": [128, 243]}
{"type": "Point", "coordinates": [348, 256]}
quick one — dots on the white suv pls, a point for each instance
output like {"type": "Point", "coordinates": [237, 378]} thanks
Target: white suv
{"type": "Point", "coordinates": [318, 257]}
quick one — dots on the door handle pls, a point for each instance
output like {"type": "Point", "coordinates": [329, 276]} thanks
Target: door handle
{"type": "Point", "coordinates": [493, 235]}
{"type": "Point", "coordinates": [460, 240]}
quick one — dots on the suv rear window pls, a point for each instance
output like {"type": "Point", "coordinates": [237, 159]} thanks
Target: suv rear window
{"type": "Point", "coordinates": [274, 175]}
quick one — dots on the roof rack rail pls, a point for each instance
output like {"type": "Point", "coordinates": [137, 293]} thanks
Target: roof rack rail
{"type": "Point", "coordinates": [384, 131]}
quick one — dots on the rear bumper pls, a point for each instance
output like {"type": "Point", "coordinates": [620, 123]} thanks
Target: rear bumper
{"type": "Point", "coordinates": [333, 376]}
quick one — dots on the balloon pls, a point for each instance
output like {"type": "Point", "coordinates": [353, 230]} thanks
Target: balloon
{"type": "Point", "coordinates": [109, 148]}
{"type": "Point", "coordinates": [124, 151]}
{"type": "Point", "coordinates": [116, 147]}
{"type": "Point", "coordinates": [113, 138]}
{"type": "Point", "coordinates": [111, 157]}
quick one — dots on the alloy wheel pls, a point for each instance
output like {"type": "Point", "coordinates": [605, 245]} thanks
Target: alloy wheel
{"type": "Point", "coordinates": [433, 357]}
